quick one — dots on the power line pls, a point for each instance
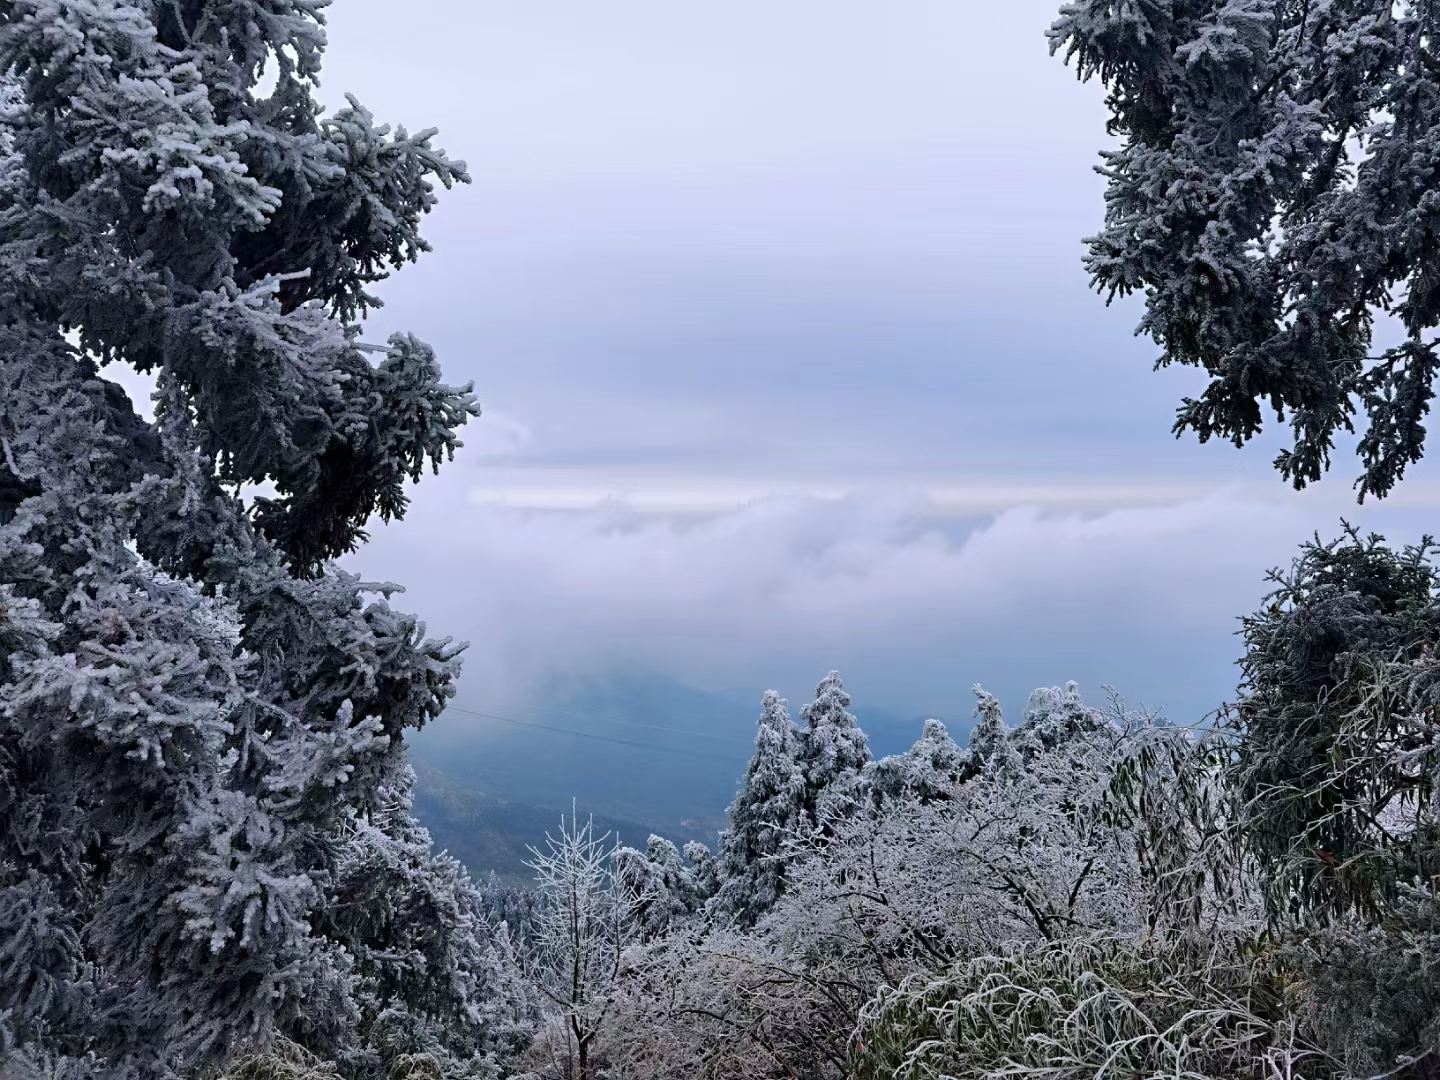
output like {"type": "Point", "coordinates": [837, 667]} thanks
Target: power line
{"type": "Point", "coordinates": [587, 735]}
{"type": "Point", "coordinates": [615, 720]}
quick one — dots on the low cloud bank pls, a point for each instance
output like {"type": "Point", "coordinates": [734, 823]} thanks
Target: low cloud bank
{"type": "Point", "coordinates": [912, 604]}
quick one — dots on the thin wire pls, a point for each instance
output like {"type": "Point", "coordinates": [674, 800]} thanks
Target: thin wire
{"type": "Point", "coordinates": [616, 720]}
{"type": "Point", "coordinates": [587, 735]}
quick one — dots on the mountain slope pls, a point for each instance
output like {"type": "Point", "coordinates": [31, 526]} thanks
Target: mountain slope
{"type": "Point", "coordinates": [627, 748]}
{"type": "Point", "coordinates": [491, 835]}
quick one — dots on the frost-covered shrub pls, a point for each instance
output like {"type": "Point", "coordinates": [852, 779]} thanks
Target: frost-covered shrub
{"type": "Point", "coordinates": [1336, 743]}
{"type": "Point", "coordinates": [1331, 756]}
{"type": "Point", "coordinates": [284, 1060]}
{"type": "Point", "coordinates": [1370, 995]}
{"type": "Point", "coordinates": [1086, 1007]}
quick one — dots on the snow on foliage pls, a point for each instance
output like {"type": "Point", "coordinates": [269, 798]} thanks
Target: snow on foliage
{"type": "Point", "coordinates": [1092, 890]}
{"type": "Point", "coordinates": [1333, 761]}
{"type": "Point", "coordinates": [769, 807]}
{"type": "Point", "coordinates": [930, 770]}
{"type": "Point", "coordinates": [1338, 745]}
{"type": "Point", "coordinates": [1272, 195]}
{"type": "Point", "coordinates": [585, 922]}
{"type": "Point", "coordinates": [1078, 1009]}
{"type": "Point", "coordinates": [903, 866]}
{"type": "Point", "coordinates": [800, 779]}
{"type": "Point", "coordinates": [208, 860]}
{"type": "Point", "coordinates": [834, 751]}
{"type": "Point", "coordinates": [201, 719]}
{"type": "Point", "coordinates": [664, 885]}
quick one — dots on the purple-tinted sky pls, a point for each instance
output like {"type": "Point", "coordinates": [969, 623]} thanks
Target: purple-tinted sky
{"type": "Point", "coordinates": [789, 362]}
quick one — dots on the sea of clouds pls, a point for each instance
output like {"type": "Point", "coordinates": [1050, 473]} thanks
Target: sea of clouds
{"type": "Point", "coordinates": [914, 595]}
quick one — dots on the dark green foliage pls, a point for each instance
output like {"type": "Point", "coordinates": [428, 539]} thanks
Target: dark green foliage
{"type": "Point", "coordinates": [1372, 993]}
{"type": "Point", "coordinates": [1335, 733]}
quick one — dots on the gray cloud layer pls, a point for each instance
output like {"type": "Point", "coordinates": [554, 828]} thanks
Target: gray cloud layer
{"type": "Point", "coordinates": [789, 360]}
{"type": "Point", "coordinates": [913, 603]}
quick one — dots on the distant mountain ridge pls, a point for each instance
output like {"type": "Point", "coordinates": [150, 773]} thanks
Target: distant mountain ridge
{"type": "Point", "coordinates": [490, 835]}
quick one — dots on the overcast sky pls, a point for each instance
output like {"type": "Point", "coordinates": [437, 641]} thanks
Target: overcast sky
{"type": "Point", "coordinates": [788, 361]}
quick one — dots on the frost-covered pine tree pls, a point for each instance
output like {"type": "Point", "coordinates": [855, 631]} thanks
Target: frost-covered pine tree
{"type": "Point", "coordinates": [1054, 715]}
{"type": "Point", "coordinates": [1271, 196]}
{"type": "Point", "coordinates": [835, 750]}
{"type": "Point", "coordinates": [929, 771]}
{"type": "Point", "coordinates": [195, 705]}
{"type": "Point", "coordinates": [992, 750]}
{"type": "Point", "coordinates": [662, 887]}
{"type": "Point", "coordinates": [769, 808]}
{"type": "Point", "coordinates": [433, 975]}
{"type": "Point", "coordinates": [797, 780]}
